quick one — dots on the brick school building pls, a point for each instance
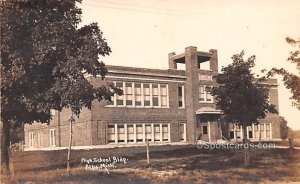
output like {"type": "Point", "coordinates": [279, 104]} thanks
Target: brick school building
{"type": "Point", "coordinates": [162, 106]}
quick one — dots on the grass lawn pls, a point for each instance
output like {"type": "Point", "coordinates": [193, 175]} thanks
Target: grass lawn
{"type": "Point", "coordinates": [168, 164]}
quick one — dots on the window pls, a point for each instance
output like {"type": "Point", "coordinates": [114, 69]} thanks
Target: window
{"type": "Point", "coordinates": [201, 94]}
{"type": "Point", "coordinates": [139, 133]}
{"type": "Point", "coordinates": [204, 95]}
{"type": "Point", "coordinates": [180, 96]}
{"type": "Point", "coordinates": [52, 137]}
{"type": "Point", "coordinates": [238, 131]}
{"type": "Point", "coordinates": [208, 97]}
{"type": "Point", "coordinates": [121, 133]}
{"type": "Point", "coordinates": [148, 132]}
{"type": "Point", "coordinates": [155, 95]}
{"type": "Point", "coordinates": [141, 95]}
{"type": "Point", "coordinates": [204, 129]}
{"type": "Point", "coordinates": [130, 133]}
{"type": "Point", "coordinates": [262, 131]}
{"type": "Point", "coordinates": [138, 94]}
{"type": "Point", "coordinates": [156, 132]}
{"type": "Point", "coordinates": [256, 132]}
{"type": "Point", "coordinates": [112, 102]}
{"type": "Point", "coordinates": [164, 95]}
{"type": "Point", "coordinates": [146, 91]}
{"type": "Point", "coordinates": [231, 134]}
{"type": "Point", "coordinates": [120, 101]}
{"type": "Point", "coordinates": [111, 133]}
{"type": "Point", "coordinates": [165, 132]}
{"type": "Point", "coordinates": [39, 139]}
{"type": "Point", "coordinates": [128, 92]}
{"type": "Point", "coordinates": [182, 131]}
{"type": "Point", "coordinates": [268, 130]}
{"type": "Point", "coordinates": [250, 132]}
{"type": "Point", "coordinates": [31, 139]}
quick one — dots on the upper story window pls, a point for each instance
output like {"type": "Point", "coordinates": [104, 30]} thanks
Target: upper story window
{"type": "Point", "coordinates": [137, 94]}
{"type": "Point", "coordinates": [146, 90]}
{"type": "Point", "coordinates": [128, 92]}
{"type": "Point", "coordinates": [31, 139]}
{"type": "Point", "coordinates": [119, 98]}
{"type": "Point", "coordinates": [181, 96]}
{"type": "Point", "coordinates": [155, 95]}
{"type": "Point", "coordinates": [163, 95]}
{"type": "Point", "coordinates": [52, 137]}
{"type": "Point", "coordinates": [204, 95]}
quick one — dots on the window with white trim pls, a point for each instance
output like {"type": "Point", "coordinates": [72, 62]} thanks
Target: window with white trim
{"type": "Point", "coordinates": [138, 94]}
{"type": "Point", "coordinates": [148, 132]}
{"type": "Point", "coordinates": [181, 96]}
{"type": "Point", "coordinates": [130, 133]}
{"type": "Point", "coordinates": [146, 90]}
{"type": "Point", "coordinates": [262, 131]}
{"type": "Point", "coordinates": [156, 132]}
{"type": "Point", "coordinates": [163, 95]}
{"type": "Point", "coordinates": [111, 134]}
{"type": "Point", "coordinates": [268, 130]}
{"type": "Point", "coordinates": [182, 127]}
{"type": "Point", "coordinates": [31, 139]}
{"type": "Point", "coordinates": [120, 101]}
{"type": "Point", "coordinates": [52, 137]}
{"type": "Point", "coordinates": [238, 131]}
{"type": "Point", "coordinates": [256, 131]}
{"type": "Point", "coordinates": [39, 139]}
{"type": "Point", "coordinates": [204, 94]}
{"type": "Point", "coordinates": [165, 132]}
{"type": "Point", "coordinates": [201, 94]}
{"type": "Point", "coordinates": [141, 95]}
{"type": "Point", "coordinates": [128, 92]}
{"type": "Point", "coordinates": [121, 133]}
{"type": "Point", "coordinates": [139, 133]}
{"type": "Point", "coordinates": [155, 95]}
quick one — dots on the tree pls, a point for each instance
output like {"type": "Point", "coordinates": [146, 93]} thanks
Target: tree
{"type": "Point", "coordinates": [291, 81]}
{"type": "Point", "coordinates": [44, 59]}
{"type": "Point", "coordinates": [241, 97]}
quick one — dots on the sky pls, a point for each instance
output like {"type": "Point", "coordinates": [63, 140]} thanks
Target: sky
{"type": "Point", "coordinates": [141, 33]}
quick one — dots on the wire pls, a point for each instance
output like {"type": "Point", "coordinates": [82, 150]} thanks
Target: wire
{"type": "Point", "coordinates": [150, 9]}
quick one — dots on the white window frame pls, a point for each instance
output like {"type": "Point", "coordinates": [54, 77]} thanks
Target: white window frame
{"type": "Point", "coordinates": [205, 95]}
{"type": "Point", "coordinates": [135, 133]}
{"type": "Point", "coordinates": [183, 97]}
{"type": "Point", "coordinates": [108, 134]}
{"type": "Point", "coordinates": [126, 94]}
{"type": "Point", "coordinates": [31, 139]}
{"type": "Point", "coordinates": [39, 139]}
{"type": "Point", "coordinates": [52, 137]}
{"type": "Point", "coordinates": [184, 131]}
{"type": "Point", "coordinates": [114, 100]}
